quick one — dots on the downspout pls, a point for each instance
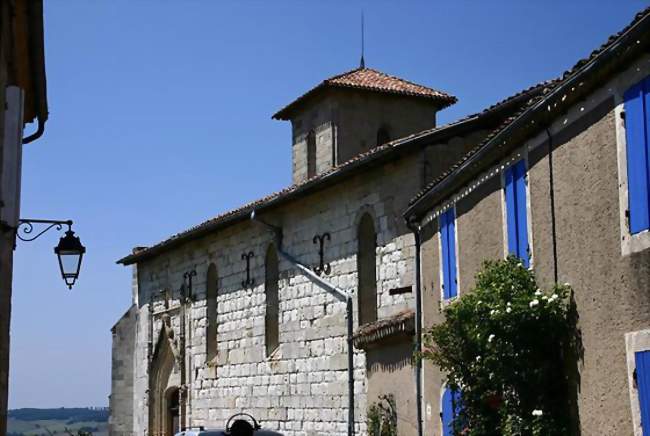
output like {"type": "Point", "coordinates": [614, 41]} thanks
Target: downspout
{"type": "Point", "coordinates": [551, 188]}
{"type": "Point", "coordinates": [339, 294]}
{"type": "Point", "coordinates": [39, 132]}
{"type": "Point", "coordinates": [183, 385]}
{"type": "Point", "coordinates": [418, 324]}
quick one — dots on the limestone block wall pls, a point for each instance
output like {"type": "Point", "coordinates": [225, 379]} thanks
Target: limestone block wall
{"type": "Point", "coordinates": [321, 119]}
{"type": "Point", "coordinates": [302, 387]}
{"type": "Point", "coordinates": [121, 400]}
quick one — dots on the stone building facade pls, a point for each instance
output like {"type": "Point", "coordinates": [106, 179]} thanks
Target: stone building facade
{"type": "Point", "coordinates": [280, 351]}
{"type": "Point", "coordinates": [574, 143]}
{"type": "Point", "coordinates": [23, 98]}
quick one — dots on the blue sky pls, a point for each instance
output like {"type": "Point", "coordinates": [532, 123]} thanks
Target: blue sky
{"type": "Point", "coordinates": [160, 117]}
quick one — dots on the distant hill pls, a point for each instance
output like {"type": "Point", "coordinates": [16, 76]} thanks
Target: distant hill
{"type": "Point", "coordinates": [45, 422]}
{"type": "Point", "coordinates": [71, 415]}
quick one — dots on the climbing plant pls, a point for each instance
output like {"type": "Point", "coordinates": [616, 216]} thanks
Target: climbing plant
{"type": "Point", "coordinates": [382, 417]}
{"type": "Point", "coordinates": [505, 346]}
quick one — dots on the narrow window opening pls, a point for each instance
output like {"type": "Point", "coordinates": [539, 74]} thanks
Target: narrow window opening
{"type": "Point", "coordinates": [272, 317]}
{"type": "Point", "coordinates": [366, 269]}
{"type": "Point", "coordinates": [211, 302]}
{"type": "Point", "coordinates": [311, 154]}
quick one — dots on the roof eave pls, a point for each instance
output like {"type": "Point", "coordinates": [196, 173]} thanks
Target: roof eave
{"type": "Point", "coordinates": [389, 151]}
{"type": "Point", "coordinates": [398, 147]}
{"type": "Point", "coordinates": [285, 114]}
{"type": "Point", "coordinates": [519, 129]}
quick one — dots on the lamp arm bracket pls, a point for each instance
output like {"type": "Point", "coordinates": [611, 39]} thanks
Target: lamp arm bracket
{"type": "Point", "coordinates": [25, 227]}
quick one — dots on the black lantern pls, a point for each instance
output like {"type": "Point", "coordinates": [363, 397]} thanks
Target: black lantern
{"type": "Point", "coordinates": [70, 252]}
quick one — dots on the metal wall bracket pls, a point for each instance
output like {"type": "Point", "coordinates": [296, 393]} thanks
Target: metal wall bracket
{"type": "Point", "coordinates": [26, 226]}
{"type": "Point", "coordinates": [249, 280]}
{"type": "Point", "coordinates": [189, 295]}
{"type": "Point", "coordinates": [322, 266]}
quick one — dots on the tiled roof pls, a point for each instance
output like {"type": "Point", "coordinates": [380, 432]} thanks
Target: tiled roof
{"type": "Point", "coordinates": [583, 65]}
{"type": "Point", "coordinates": [388, 150]}
{"type": "Point", "coordinates": [403, 323]}
{"type": "Point", "coordinates": [371, 80]}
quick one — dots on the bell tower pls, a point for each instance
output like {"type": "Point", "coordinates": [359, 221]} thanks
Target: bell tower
{"type": "Point", "coordinates": [351, 113]}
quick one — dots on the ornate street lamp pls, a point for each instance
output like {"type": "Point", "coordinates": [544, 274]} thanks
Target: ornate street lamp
{"type": "Point", "coordinates": [70, 252]}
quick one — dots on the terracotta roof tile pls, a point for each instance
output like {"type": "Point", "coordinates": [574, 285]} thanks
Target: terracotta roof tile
{"type": "Point", "coordinates": [371, 80]}
{"type": "Point", "coordinates": [402, 323]}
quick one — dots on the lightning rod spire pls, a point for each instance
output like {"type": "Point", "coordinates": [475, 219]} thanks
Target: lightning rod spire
{"type": "Point", "coordinates": [363, 62]}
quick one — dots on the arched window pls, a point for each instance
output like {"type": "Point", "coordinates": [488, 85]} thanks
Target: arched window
{"type": "Point", "coordinates": [272, 318]}
{"type": "Point", "coordinates": [211, 302]}
{"type": "Point", "coordinates": [366, 270]}
{"type": "Point", "coordinates": [383, 136]}
{"type": "Point", "coordinates": [311, 154]}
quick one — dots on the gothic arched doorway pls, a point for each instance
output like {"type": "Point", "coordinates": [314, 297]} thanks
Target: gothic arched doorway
{"type": "Point", "coordinates": [164, 395]}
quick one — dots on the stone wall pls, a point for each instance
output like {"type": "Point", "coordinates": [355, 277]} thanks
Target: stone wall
{"type": "Point", "coordinates": [121, 399]}
{"type": "Point", "coordinates": [302, 387]}
{"type": "Point", "coordinates": [320, 118]}
{"type": "Point", "coordinates": [362, 114]}
{"type": "Point", "coordinates": [346, 123]}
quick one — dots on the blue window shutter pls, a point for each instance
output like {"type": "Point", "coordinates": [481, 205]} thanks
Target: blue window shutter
{"type": "Point", "coordinates": [642, 360]}
{"type": "Point", "coordinates": [451, 239]}
{"type": "Point", "coordinates": [447, 413]}
{"type": "Point", "coordinates": [511, 207]}
{"type": "Point", "coordinates": [444, 241]}
{"type": "Point", "coordinates": [637, 158]}
{"type": "Point", "coordinates": [448, 242]}
{"type": "Point", "coordinates": [516, 211]}
{"type": "Point", "coordinates": [522, 216]}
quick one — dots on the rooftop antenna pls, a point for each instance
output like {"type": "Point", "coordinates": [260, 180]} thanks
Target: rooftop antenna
{"type": "Point", "coordinates": [363, 62]}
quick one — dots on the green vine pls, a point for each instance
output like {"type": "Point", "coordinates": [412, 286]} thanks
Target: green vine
{"type": "Point", "coordinates": [505, 346]}
{"type": "Point", "coordinates": [382, 417]}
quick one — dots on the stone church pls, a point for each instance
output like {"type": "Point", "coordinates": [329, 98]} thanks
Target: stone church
{"type": "Point", "coordinates": [298, 308]}
{"type": "Point", "coordinates": [304, 308]}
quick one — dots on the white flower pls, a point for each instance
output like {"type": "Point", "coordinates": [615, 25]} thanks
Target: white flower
{"type": "Point", "coordinates": [508, 304]}
{"type": "Point", "coordinates": [544, 297]}
{"type": "Point", "coordinates": [508, 309]}
{"type": "Point", "coordinates": [491, 338]}
{"type": "Point", "coordinates": [554, 297]}
{"type": "Point", "coordinates": [478, 358]}
{"type": "Point", "coordinates": [494, 312]}
{"type": "Point", "coordinates": [567, 284]}
{"type": "Point", "coordinates": [538, 292]}
{"type": "Point", "coordinates": [537, 412]}
{"type": "Point", "coordinates": [534, 303]}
